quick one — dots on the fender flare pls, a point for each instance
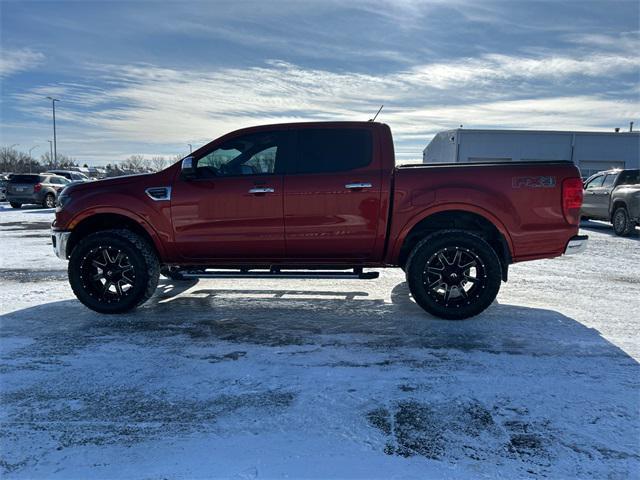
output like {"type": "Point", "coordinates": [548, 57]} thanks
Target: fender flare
{"type": "Point", "coordinates": [146, 226]}
{"type": "Point", "coordinates": [444, 207]}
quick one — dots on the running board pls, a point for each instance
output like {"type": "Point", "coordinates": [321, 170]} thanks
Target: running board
{"type": "Point", "coordinates": [356, 274]}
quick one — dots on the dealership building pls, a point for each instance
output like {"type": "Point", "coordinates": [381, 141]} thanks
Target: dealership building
{"type": "Point", "coordinates": [590, 151]}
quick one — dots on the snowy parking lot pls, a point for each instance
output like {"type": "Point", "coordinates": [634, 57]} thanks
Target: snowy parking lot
{"type": "Point", "coordinates": [320, 378]}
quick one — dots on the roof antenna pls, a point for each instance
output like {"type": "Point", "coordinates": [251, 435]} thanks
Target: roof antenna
{"type": "Point", "coordinates": [376, 115]}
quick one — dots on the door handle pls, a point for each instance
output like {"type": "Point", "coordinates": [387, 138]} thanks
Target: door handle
{"type": "Point", "coordinates": [356, 186]}
{"type": "Point", "coordinates": [257, 190]}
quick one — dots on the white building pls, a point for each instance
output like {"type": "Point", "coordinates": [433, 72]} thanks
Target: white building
{"type": "Point", "coordinates": [590, 151]}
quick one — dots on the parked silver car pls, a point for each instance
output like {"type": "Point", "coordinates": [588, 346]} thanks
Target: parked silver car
{"type": "Point", "coordinates": [40, 188]}
{"type": "Point", "coordinates": [70, 175]}
{"type": "Point", "coordinates": [613, 196]}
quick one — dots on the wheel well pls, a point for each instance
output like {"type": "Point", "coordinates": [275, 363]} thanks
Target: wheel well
{"type": "Point", "coordinates": [459, 220]}
{"type": "Point", "coordinates": [106, 221]}
{"type": "Point", "coordinates": [616, 204]}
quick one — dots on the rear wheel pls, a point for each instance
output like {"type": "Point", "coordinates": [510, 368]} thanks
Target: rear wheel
{"type": "Point", "coordinates": [453, 274]}
{"type": "Point", "coordinates": [15, 204]}
{"type": "Point", "coordinates": [49, 201]}
{"type": "Point", "coordinates": [113, 271]}
{"type": "Point", "coordinates": [622, 224]}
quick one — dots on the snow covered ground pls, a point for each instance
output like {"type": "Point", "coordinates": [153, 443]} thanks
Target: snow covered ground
{"type": "Point", "coordinates": [318, 378]}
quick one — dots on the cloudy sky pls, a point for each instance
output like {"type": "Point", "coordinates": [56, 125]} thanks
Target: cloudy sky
{"type": "Point", "coordinates": [149, 77]}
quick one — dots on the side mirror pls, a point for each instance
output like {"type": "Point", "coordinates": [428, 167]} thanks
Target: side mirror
{"type": "Point", "coordinates": [188, 171]}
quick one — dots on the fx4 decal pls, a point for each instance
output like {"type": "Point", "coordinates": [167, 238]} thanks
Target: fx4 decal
{"type": "Point", "coordinates": [534, 182]}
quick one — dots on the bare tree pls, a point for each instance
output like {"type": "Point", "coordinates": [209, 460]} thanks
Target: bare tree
{"type": "Point", "coordinates": [159, 163]}
{"type": "Point", "coordinates": [135, 163]}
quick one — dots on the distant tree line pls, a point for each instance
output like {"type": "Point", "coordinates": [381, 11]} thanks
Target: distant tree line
{"type": "Point", "coordinates": [14, 161]}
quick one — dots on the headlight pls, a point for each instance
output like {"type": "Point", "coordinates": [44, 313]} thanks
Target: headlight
{"type": "Point", "coordinates": [63, 199]}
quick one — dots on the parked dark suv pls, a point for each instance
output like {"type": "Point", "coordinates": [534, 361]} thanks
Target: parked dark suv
{"type": "Point", "coordinates": [35, 188]}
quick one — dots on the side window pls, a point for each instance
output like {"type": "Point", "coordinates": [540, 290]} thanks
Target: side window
{"type": "Point", "coordinates": [325, 150]}
{"type": "Point", "coordinates": [255, 154]}
{"type": "Point", "coordinates": [53, 180]}
{"type": "Point", "coordinates": [610, 180]}
{"type": "Point", "coordinates": [595, 182]}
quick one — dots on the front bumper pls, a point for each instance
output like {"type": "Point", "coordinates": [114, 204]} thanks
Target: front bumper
{"type": "Point", "coordinates": [577, 244]}
{"type": "Point", "coordinates": [60, 240]}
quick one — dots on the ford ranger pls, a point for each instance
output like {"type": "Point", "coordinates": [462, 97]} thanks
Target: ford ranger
{"type": "Point", "coordinates": [321, 200]}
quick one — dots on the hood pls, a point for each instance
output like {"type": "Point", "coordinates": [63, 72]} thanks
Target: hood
{"type": "Point", "coordinates": [108, 182]}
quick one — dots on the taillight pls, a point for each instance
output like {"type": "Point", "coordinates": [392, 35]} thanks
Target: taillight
{"type": "Point", "coordinates": [37, 187]}
{"type": "Point", "coordinates": [572, 200]}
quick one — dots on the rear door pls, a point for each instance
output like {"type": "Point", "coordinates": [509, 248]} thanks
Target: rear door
{"type": "Point", "coordinates": [332, 195]}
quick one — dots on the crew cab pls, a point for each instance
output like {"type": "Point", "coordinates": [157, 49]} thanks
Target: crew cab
{"type": "Point", "coordinates": [613, 196]}
{"type": "Point", "coordinates": [319, 200]}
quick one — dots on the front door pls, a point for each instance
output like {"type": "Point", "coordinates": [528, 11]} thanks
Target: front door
{"type": "Point", "coordinates": [233, 209]}
{"type": "Point", "coordinates": [332, 195]}
{"type": "Point", "coordinates": [591, 196]}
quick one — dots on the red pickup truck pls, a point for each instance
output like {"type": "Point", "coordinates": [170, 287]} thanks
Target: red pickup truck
{"type": "Point", "coordinates": [316, 200]}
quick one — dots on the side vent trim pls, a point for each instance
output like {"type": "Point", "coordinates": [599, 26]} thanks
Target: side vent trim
{"type": "Point", "coordinates": [158, 194]}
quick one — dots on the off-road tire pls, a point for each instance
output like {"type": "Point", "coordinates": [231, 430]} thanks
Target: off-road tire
{"type": "Point", "coordinates": [140, 256]}
{"type": "Point", "coordinates": [171, 273]}
{"type": "Point", "coordinates": [15, 205]}
{"type": "Point", "coordinates": [482, 290]}
{"type": "Point", "coordinates": [622, 224]}
{"type": "Point", "coordinates": [49, 201]}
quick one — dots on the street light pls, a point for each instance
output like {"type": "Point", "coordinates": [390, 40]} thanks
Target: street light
{"type": "Point", "coordinates": [55, 150]}
{"type": "Point", "coordinates": [30, 150]}
{"type": "Point", "coordinates": [50, 150]}
{"type": "Point", "coordinates": [190, 147]}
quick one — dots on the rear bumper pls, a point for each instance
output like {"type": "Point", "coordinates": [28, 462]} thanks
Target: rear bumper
{"type": "Point", "coordinates": [59, 239]}
{"type": "Point", "coordinates": [24, 198]}
{"type": "Point", "coordinates": [576, 244]}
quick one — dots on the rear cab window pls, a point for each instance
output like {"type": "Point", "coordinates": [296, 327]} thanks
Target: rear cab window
{"type": "Point", "coordinates": [610, 180]}
{"type": "Point", "coordinates": [325, 150]}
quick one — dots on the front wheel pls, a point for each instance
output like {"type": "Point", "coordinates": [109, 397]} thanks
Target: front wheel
{"type": "Point", "coordinates": [622, 224]}
{"type": "Point", "coordinates": [453, 274]}
{"type": "Point", "coordinates": [113, 271]}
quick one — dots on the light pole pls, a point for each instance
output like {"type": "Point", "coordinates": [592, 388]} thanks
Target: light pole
{"type": "Point", "coordinates": [190, 148]}
{"type": "Point", "coordinates": [50, 150]}
{"type": "Point", "coordinates": [30, 150]}
{"type": "Point", "coordinates": [55, 150]}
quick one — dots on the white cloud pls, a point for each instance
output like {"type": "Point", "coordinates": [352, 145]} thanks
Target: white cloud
{"type": "Point", "coordinates": [151, 105]}
{"type": "Point", "coordinates": [14, 61]}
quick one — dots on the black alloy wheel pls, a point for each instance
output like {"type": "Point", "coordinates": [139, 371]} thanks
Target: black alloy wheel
{"type": "Point", "coordinates": [453, 274]}
{"type": "Point", "coordinates": [107, 274]}
{"type": "Point", "coordinates": [113, 271]}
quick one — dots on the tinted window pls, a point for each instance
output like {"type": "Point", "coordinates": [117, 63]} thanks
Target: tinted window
{"type": "Point", "coordinates": [595, 182]}
{"type": "Point", "coordinates": [26, 178]}
{"type": "Point", "coordinates": [629, 177]}
{"type": "Point", "coordinates": [256, 154]}
{"type": "Point", "coordinates": [332, 150]}
{"type": "Point", "coordinates": [610, 180]}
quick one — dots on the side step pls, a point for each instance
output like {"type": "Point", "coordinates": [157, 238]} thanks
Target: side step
{"type": "Point", "coordinates": [357, 273]}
